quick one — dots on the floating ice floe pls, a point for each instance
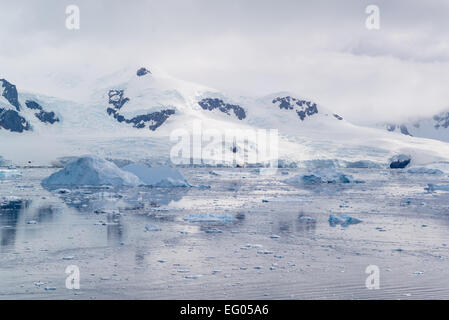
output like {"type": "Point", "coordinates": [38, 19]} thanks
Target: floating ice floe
{"type": "Point", "coordinates": [307, 219]}
{"type": "Point", "coordinates": [424, 170]}
{"type": "Point", "coordinates": [208, 218]}
{"type": "Point", "coordinates": [91, 171]}
{"type": "Point", "coordinates": [400, 161]}
{"type": "Point", "coordinates": [152, 228]}
{"type": "Point", "coordinates": [434, 187]}
{"type": "Point", "coordinates": [157, 177]}
{"type": "Point", "coordinates": [213, 231]}
{"type": "Point", "coordinates": [9, 174]}
{"type": "Point", "coordinates": [343, 220]}
{"type": "Point", "coordinates": [322, 176]}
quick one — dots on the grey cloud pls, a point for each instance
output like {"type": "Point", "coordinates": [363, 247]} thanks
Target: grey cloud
{"type": "Point", "coordinates": [320, 49]}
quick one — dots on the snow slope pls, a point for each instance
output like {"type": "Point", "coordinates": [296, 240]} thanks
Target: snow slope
{"type": "Point", "coordinates": [130, 116]}
{"type": "Point", "coordinates": [436, 127]}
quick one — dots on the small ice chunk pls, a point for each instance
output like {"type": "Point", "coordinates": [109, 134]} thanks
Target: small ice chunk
{"type": "Point", "coordinates": [213, 231]}
{"type": "Point", "coordinates": [50, 288]}
{"type": "Point", "coordinates": [307, 219]}
{"type": "Point", "coordinates": [208, 218]}
{"type": "Point", "coordinates": [68, 258]}
{"type": "Point", "coordinates": [183, 271]}
{"type": "Point", "coordinates": [152, 228]}
{"type": "Point", "coordinates": [433, 187]}
{"type": "Point", "coordinates": [343, 220]}
{"type": "Point", "coordinates": [424, 170]}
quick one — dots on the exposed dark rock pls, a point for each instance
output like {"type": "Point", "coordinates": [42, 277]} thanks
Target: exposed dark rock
{"type": "Point", "coordinates": [116, 98]}
{"type": "Point", "coordinates": [44, 116]}
{"type": "Point", "coordinates": [212, 104]}
{"type": "Point", "coordinates": [33, 105]}
{"type": "Point", "coordinates": [153, 120]}
{"type": "Point", "coordinates": [404, 130]}
{"type": "Point", "coordinates": [391, 127]}
{"type": "Point", "coordinates": [303, 108]}
{"type": "Point", "coordinates": [47, 117]}
{"type": "Point", "coordinates": [10, 93]}
{"type": "Point", "coordinates": [143, 71]}
{"type": "Point", "coordinates": [338, 117]}
{"type": "Point", "coordinates": [11, 120]}
{"type": "Point", "coordinates": [442, 120]}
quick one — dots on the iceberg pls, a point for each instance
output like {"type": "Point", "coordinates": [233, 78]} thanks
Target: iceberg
{"type": "Point", "coordinates": [433, 187]}
{"type": "Point", "coordinates": [91, 171]}
{"type": "Point", "coordinates": [322, 176]}
{"type": "Point", "coordinates": [157, 177]}
{"type": "Point", "coordinates": [424, 170]}
{"type": "Point", "coordinates": [152, 228]}
{"type": "Point", "coordinates": [400, 161]}
{"type": "Point", "coordinates": [344, 220]}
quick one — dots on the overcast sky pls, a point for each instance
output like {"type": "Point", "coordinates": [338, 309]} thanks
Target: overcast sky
{"type": "Point", "coordinates": [319, 49]}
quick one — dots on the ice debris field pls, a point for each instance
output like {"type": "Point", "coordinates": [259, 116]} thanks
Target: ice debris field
{"type": "Point", "coordinates": [137, 230]}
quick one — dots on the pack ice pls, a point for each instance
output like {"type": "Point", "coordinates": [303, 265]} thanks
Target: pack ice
{"type": "Point", "coordinates": [92, 171]}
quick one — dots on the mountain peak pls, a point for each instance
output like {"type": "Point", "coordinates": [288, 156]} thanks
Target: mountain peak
{"type": "Point", "coordinates": [142, 72]}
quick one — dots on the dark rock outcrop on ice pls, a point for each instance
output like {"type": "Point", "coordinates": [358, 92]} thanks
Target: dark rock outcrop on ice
{"type": "Point", "coordinates": [142, 72]}
{"type": "Point", "coordinates": [441, 120]}
{"type": "Point", "coordinates": [402, 127]}
{"type": "Point", "coordinates": [42, 115]}
{"type": "Point", "coordinates": [116, 98]}
{"type": "Point", "coordinates": [214, 103]}
{"type": "Point", "coordinates": [338, 117]}
{"type": "Point", "coordinates": [303, 108]}
{"type": "Point", "coordinates": [151, 120]}
{"type": "Point", "coordinates": [10, 93]}
{"type": "Point", "coordinates": [11, 120]}
{"type": "Point", "coordinates": [47, 117]}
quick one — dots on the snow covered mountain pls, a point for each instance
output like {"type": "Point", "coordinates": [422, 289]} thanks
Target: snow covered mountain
{"type": "Point", "coordinates": [436, 127]}
{"type": "Point", "coordinates": [132, 113]}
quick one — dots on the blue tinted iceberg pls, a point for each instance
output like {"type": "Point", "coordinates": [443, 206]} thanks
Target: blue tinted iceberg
{"type": "Point", "coordinates": [91, 171]}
